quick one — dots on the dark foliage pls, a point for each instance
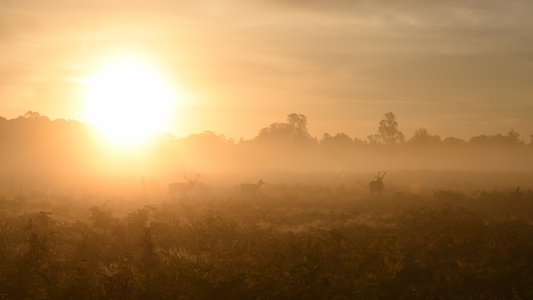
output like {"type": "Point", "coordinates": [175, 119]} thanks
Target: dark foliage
{"type": "Point", "coordinates": [34, 145]}
{"type": "Point", "coordinates": [291, 247]}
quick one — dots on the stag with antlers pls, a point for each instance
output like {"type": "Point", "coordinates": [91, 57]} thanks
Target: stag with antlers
{"type": "Point", "coordinates": [181, 186]}
{"type": "Point", "coordinates": [250, 187]}
{"type": "Point", "coordinates": [376, 185]}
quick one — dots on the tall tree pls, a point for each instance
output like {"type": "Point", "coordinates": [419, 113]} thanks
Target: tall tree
{"type": "Point", "coordinates": [32, 115]}
{"type": "Point", "coordinates": [275, 132]}
{"type": "Point", "coordinates": [294, 130]}
{"type": "Point", "coordinates": [388, 130]}
{"type": "Point", "coordinates": [298, 125]}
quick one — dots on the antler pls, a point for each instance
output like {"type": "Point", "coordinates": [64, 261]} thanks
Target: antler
{"type": "Point", "coordinates": [197, 175]}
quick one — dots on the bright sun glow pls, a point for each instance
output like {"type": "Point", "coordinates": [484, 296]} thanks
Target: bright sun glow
{"type": "Point", "coordinates": [127, 100]}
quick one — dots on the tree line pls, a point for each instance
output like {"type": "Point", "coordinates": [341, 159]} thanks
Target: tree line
{"type": "Point", "coordinates": [33, 141]}
{"type": "Point", "coordinates": [294, 130]}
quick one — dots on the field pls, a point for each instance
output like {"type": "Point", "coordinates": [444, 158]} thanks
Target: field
{"type": "Point", "coordinates": [431, 235]}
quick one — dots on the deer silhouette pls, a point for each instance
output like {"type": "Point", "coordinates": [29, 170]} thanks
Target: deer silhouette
{"type": "Point", "coordinates": [376, 185]}
{"type": "Point", "coordinates": [181, 186]}
{"type": "Point", "coordinates": [250, 187]}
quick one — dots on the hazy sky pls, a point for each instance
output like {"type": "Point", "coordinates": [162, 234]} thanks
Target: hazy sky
{"type": "Point", "coordinates": [457, 68]}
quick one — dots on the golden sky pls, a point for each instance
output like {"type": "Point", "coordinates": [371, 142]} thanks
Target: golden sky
{"type": "Point", "coordinates": [457, 68]}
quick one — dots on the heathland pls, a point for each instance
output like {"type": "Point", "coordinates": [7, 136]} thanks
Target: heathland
{"type": "Point", "coordinates": [79, 220]}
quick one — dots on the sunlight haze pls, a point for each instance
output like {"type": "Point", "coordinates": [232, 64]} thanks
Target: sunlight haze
{"type": "Point", "coordinates": [266, 149]}
{"type": "Point", "coordinates": [457, 68]}
{"type": "Point", "coordinates": [128, 101]}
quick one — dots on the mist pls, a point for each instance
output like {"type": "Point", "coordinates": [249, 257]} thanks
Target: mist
{"type": "Point", "coordinates": [37, 151]}
{"type": "Point", "coordinates": [285, 213]}
{"type": "Point", "coordinates": [295, 149]}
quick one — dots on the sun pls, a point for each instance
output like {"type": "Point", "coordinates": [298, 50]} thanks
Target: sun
{"type": "Point", "coordinates": [128, 100]}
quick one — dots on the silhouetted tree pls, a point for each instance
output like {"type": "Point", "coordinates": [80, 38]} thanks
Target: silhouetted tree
{"type": "Point", "coordinates": [275, 132]}
{"type": "Point", "coordinates": [298, 126]}
{"type": "Point", "coordinates": [388, 130]}
{"type": "Point", "coordinates": [373, 139]}
{"type": "Point", "coordinates": [339, 140]}
{"type": "Point", "coordinates": [209, 137]}
{"type": "Point", "coordinates": [454, 141]}
{"type": "Point", "coordinates": [32, 115]}
{"type": "Point", "coordinates": [295, 130]}
{"type": "Point", "coordinates": [511, 138]}
{"type": "Point", "coordinates": [422, 136]}
{"type": "Point", "coordinates": [358, 141]}
{"type": "Point", "coordinates": [480, 139]}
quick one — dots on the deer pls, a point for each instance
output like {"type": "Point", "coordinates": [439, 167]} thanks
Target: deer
{"type": "Point", "coordinates": [181, 186]}
{"type": "Point", "coordinates": [376, 185]}
{"type": "Point", "coordinates": [250, 187]}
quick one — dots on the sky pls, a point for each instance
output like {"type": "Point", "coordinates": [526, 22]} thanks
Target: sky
{"type": "Point", "coordinates": [457, 68]}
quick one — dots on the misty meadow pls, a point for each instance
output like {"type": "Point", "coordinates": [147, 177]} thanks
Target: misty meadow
{"type": "Point", "coordinates": [281, 216]}
{"type": "Point", "coordinates": [266, 149]}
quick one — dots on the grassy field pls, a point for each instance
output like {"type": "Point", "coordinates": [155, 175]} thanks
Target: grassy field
{"type": "Point", "coordinates": [431, 235]}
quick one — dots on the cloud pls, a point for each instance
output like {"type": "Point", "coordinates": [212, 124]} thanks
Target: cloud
{"type": "Point", "coordinates": [247, 53]}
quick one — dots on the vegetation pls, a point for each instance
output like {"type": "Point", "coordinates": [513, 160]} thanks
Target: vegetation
{"type": "Point", "coordinates": [388, 130]}
{"type": "Point", "coordinates": [429, 235]}
{"type": "Point", "coordinates": [292, 242]}
{"type": "Point", "coordinates": [35, 145]}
